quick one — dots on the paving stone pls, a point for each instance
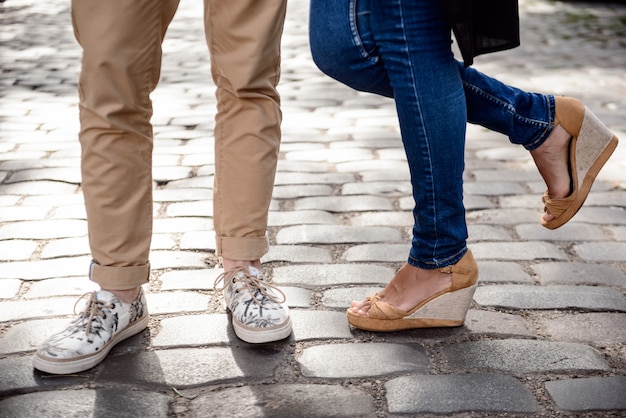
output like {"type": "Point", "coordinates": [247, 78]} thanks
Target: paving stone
{"type": "Point", "coordinates": [185, 367]}
{"type": "Point", "coordinates": [317, 325]}
{"type": "Point", "coordinates": [341, 298]}
{"type": "Point", "coordinates": [591, 328]}
{"type": "Point", "coordinates": [193, 330]}
{"type": "Point", "coordinates": [502, 272]}
{"type": "Point", "coordinates": [363, 360]}
{"type": "Point", "coordinates": [335, 204]}
{"type": "Point", "coordinates": [34, 188]}
{"type": "Point", "coordinates": [458, 393]}
{"type": "Point", "coordinates": [528, 250]}
{"type": "Point", "coordinates": [182, 195]}
{"type": "Point", "coordinates": [487, 233]}
{"type": "Point", "coordinates": [196, 208]}
{"type": "Point", "coordinates": [496, 323]}
{"type": "Point", "coordinates": [312, 178]}
{"type": "Point", "coordinates": [190, 279]}
{"type": "Point", "coordinates": [45, 269]}
{"type": "Point", "coordinates": [387, 175]}
{"type": "Point", "coordinates": [523, 356]}
{"type": "Point", "coordinates": [476, 202]}
{"type": "Point", "coordinates": [43, 229]}
{"type": "Point", "coordinates": [302, 190]}
{"type": "Point", "coordinates": [163, 242]}
{"type": "Point", "coordinates": [297, 254]}
{"type": "Point", "coordinates": [66, 247]}
{"type": "Point", "coordinates": [204, 241]}
{"type": "Point", "coordinates": [23, 213]}
{"type": "Point", "coordinates": [18, 375]}
{"type": "Point", "coordinates": [569, 232]}
{"type": "Point", "coordinates": [39, 308]}
{"type": "Point", "coordinates": [599, 251]}
{"type": "Point", "coordinates": [179, 225]}
{"type": "Point", "coordinates": [174, 259]}
{"type": "Point", "coordinates": [589, 394]}
{"type": "Point", "coordinates": [493, 188]}
{"type": "Point", "coordinates": [117, 402]}
{"type": "Point", "coordinates": [330, 155]}
{"type": "Point", "coordinates": [175, 302]}
{"type": "Point", "coordinates": [594, 215]}
{"type": "Point", "coordinates": [503, 217]}
{"type": "Point", "coordinates": [392, 253]}
{"type": "Point", "coordinates": [9, 288]}
{"type": "Point", "coordinates": [336, 234]}
{"type": "Point", "coordinates": [284, 400]}
{"type": "Point", "coordinates": [331, 274]}
{"type": "Point", "coordinates": [300, 217]}
{"type": "Point", "coordinates": [550, 297]}
{"type": "Point", "coordinates": [28, 335]}
{"type": "Point", "coordinates": [404, 219]}
{"type": "Point", "coordinates": [63, 174]}
{"type": "Point", "coordinates": [61, 287]}
{"type": "Point", "coordinates": [371, 165]}
{"type": "Point", "coordinates": [16, 249]}
{"type": "Point", "coordinates": [579, 273]}
{"type": "Point", "coordinates": [377, 188]}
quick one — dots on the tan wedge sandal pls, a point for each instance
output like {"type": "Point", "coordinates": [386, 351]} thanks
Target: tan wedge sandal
{"type": "Point", "coordinates": [443, 309]}
{"type": "Point", "coordinates": [591, 146]}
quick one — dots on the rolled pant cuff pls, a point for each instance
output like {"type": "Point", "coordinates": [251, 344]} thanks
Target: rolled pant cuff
{"type": "Point", "coordinates": [119, 278]}
{"type": "Point", "coordinates": [246, 248]}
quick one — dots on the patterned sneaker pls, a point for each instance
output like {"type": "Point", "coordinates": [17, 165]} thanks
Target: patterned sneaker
{"type": "Point", "coordinates": [259, 311]}
{"type": "Point", "coordinates": [105, 321]}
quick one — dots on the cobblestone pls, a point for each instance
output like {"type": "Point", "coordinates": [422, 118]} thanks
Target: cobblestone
{"type": "Point", "coordinates": [544, 335]}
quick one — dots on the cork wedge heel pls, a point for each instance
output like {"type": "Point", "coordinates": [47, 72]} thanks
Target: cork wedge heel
{"type": "Point", "coordinates": [444, 309]}
{"type": "Point", "coordinates": [591, 145]}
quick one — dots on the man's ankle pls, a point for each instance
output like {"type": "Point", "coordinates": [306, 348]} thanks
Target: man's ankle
{"type": "Point", "coordinates": [230, 264]}
{"type": "Point", "coordinates": [126, 295]}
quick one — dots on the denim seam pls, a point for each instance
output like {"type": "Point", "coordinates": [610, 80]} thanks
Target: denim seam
{"type": "Point", "coordinates": [356, 37]}
{"type": "Point", "coordinates": [439, 263]}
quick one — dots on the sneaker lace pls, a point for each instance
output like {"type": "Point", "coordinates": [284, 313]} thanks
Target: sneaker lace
{"type": "Point", "coordinates": [93, 309]}
{"type": "Point", "coordinates": [251, 283]}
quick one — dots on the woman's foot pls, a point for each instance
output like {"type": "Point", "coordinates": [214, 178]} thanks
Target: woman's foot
{"type": "Point", "coordinates": [552, 160]}
{"type": "Point", "coordinates": [408, 288]}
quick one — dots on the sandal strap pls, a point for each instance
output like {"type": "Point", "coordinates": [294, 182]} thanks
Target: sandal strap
{"type": "Point", "coordinates": [556, 207]}
{"type": "Point", "coordinates": [383, 310]}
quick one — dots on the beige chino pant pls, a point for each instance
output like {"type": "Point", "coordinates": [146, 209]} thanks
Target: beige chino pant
{"type": "Point", "coordinates": [121, 41]}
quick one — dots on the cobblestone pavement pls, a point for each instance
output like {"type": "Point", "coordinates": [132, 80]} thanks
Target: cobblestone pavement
{"type": "Point", "coordinates": [546, 333]}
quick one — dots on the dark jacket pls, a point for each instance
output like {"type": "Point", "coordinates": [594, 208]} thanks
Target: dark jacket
{"type": "Point", "coordinates": [483, 26]}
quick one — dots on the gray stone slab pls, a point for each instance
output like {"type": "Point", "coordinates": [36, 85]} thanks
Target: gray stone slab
{"type": "Point", "coordinates": [479, 232]}
{"type": "Point", "coordinates": [18, 375]}
{"type": "Point", "coordinates": [589, 394]}
{"type": "Point", "coordinates": [176, 259]}
{"type": "Point", "coordinates": [312, 178]}
{"type": "Point", "coordinates": [601, 251]}
{"type": "Point", "coordinates": [183, 224]}
{"type": "Point", "coordinates": [503, 217]}
{"type": "Point", "coordinates": [9, 288]}
{"type": "Point", "coordinates": [190, 279]}
{"type": "Point", "coordinates": [458, 393]}
{"type": "Point", "coordinates": [523, 356]}
{"type": "Point", "coordinates": [285, 400]}
{"type": "Point", "coordinates": [69, 286]}
{"type": "Point", "coordinates": [186, 367]}
{"type": "Point", "coordinates": [550, 297]}
{"type": "Point", "coordinates": [48, 229]}
{"type": "Point", "coordinates": [332, 274]}
{"type": "Point", "coordinates": [493, 188]}
{"type": "Point", "coordinates": [380, 188]}
{"type": "Point", "coordinates": [529, 250]}
{"type": "Point", "coordinates": [336, 234]}
{"type": "Point", "coordinates": [591, 328]}
{"type": "Point", "coordinates": [502, 272]}
{"type": "Point", "coordinates": [403, 219]}
{"type": "Point", "coordinates": [38, 308]}
{"type": "Point", "coordinates": [28, 335]}
{"type": "Point", "coordinates": [570, 232]}
{"type": "Point", "coordinates": [579, 273]}
{"type": "Point", "coordinates": [118, 402]}
{"type": "Point", "coordinates": [341, 298]}
{"type": "Point", "coordinates": [496, 323]}
{"type": "Point", "coordinates": [45, 269]}
{"type": "Point", "coordinates": [297, 254]}
{"type": "Point", "coordinates": [66, 247]}
{"type": "Point", "coordinates": [302, 190]}
{"type": "Point", "coordinates": [176, 302]}
{"type": "Point", "coordinates": [194, 330]}
{"type": "Point", "coordinates": [389, 253]}
{"type": "Point", "coordinates": [198, 240]}
{"type": "Point", "coordinates": [314, 325]}
{"type": "Point", "coordinates": [335, 204]}
{"type": "Point", "coordinates": [363, 360]}
{"type": "Point", "coordinates": [300, 217]}
{"type": "Point", "coordinates": [602, 215]}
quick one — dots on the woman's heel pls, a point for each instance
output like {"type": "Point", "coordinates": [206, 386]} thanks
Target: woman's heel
{"type": "Point", "coordinates": [591, 146]}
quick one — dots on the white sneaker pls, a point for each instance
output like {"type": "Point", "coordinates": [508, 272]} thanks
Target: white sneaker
{"type": "Point", "coordinates": [105, 321]}
{"type": "Point", "coordinates": [259, 311]}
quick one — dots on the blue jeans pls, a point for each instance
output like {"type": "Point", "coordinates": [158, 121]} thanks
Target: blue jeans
{"type": "Point", "coordinates": [402, 49]}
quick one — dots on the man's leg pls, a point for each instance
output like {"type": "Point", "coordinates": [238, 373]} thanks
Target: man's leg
{"type": "Point", "coordinates": [121, 44]}
{"type": "Point", "coordinates": [244, 43]}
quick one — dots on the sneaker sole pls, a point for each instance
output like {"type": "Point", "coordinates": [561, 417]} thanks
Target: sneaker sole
{"type": "Point", "coordinates": [82, 363]}
{"type": "Point", "coordinates": [262, 335]}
